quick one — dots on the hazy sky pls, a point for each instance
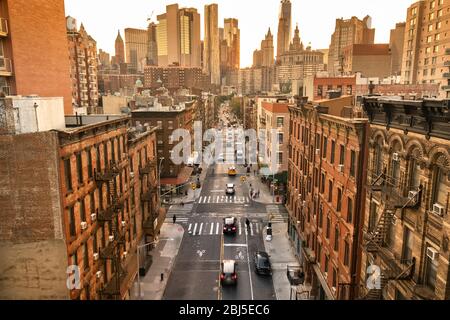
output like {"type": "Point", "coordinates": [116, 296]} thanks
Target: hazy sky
{"type": "Point", "coordinates": [316, 18]}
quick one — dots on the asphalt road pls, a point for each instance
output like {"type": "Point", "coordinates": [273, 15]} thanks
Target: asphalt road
{"type": "Point", "coordinates": [197, 267]}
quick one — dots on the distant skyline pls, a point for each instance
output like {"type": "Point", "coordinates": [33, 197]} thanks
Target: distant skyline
{"type": "Point", "coordinates": [316, 19]}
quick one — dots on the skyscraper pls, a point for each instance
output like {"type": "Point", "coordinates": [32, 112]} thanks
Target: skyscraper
{"type": "Point", "coordinates": [232, 35]}
{"type": "Point", "coordinates": [152, 51]}
{"type": "Point", "coordinates": [284, 27]}
{"type": "Point", "coordinates": [267, 50]}
{"type": "Point", "coordinates": [211, 54]}
{"type": "Point", "coordinates": [348, 32]}
{"type": "Point", "coordinates": [178, 37]}
{"type": "Point", "coordinates": [120, 49]}
{"type": "Point", "coordinates": [137, 47]}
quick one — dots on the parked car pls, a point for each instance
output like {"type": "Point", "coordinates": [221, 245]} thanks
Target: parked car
{"type": "Point", "coordinates": [230, 225]}
{"type": "Point", "coordinates": [228, 275]}
{"type": "Point", "coordinates": [262, 263]}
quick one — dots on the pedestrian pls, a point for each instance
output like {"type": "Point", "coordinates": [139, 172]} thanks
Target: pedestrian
{"type": "Point", "coordinates": [174, 219]}
{"type": "Point", "coordinates": [247, 223]}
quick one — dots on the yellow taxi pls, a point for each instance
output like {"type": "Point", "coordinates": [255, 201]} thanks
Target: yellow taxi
{"type": "Point", "coordinates": [232, 172]}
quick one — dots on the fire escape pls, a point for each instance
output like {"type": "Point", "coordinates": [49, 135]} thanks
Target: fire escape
{"type": "Point", "coordinates": [376, 240]}
{"type": "Point", "coordinates": [148, 197]}
{"type": "Point", "coordinates": [116, 240]}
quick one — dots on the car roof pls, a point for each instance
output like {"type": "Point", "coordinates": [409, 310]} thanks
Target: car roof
{"type": "Point", "coordinates": [230, 185]}
{"type": "Point", "coordinates": [229, 220]}
{"type": "Point", "coordinates": [228, 266]}
{"type": "Point", "coordinates": [262, 254]}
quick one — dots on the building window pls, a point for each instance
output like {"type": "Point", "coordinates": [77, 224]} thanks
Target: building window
{"type": "Point", "coordinates": [349, 210]}
{"type": "Point", "coordinates": [320, 91]}
{"type": "Point", "coordinates": [280, 138]}
{"type": "Point", "coordinates": [425, 72]}
{"type": "Point", "coordinates": [333, 149]}
{"type": "Point", "coordinates": [89, 163]}
{"type": "Point", "coordinates": [431, 273]}
{"type": "Point", "coordinates": [85, 256]}
{"type": "Point", "coordinates": [327, 262]}
{"type": "Point", "coordinates": [92, 202]}
{"type": "Point", "coordinates": [440, 190]}
{"type": "Point", "coordinates": [68, 174]}
{"type": "Point", "coordinates": [342, 155]}
{"type": "Point", "coordinates": [280, 122]}
{"type": "Point", "coordinates": [99, 168]}
{"type": "Point", "coordinates": [319, 253]}
{"type": "Point", "coordinates": [414, 175]}
{"type": "Point", "coordinates": [352, 163]}
{"type": "Point", "coordinates": [336, 238]}
{"type": "Point", "coordinates": [373, 216]}
{"type": "Point", "coordinates": [325, 147]}
{"type": "Point", "coordinates": [105, 154]}
{"type": "Point", "coordinates": [346, 253]}
{"type": "Point", "coordinates": [82, 210]}
{"type": "Point", "coordinates": [330, 190]}
{"type": "Point", "coordinates": [339, 200]}
{"type": "Point", "coordinates": [328, 227]}
{"type": "Point", "coordinates": [334, 281]}
{"type": "Point", "coordinates": [320, 215]}
{"type": "Point", "coordinates": [72, 227]}
{"type": "Point", "coordinates": [408, 242]}
{"type": "Point", "coordinates": [322, 183]}
{"type": "Point", "coordinates": [280, 157]}
{"type": "Point", "coordinates": [349, 90]}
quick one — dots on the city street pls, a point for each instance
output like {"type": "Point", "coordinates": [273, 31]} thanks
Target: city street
{"type": "Point", "coordinates": [197, 267]}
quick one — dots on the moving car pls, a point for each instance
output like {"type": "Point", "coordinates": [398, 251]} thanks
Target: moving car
{"type": "Point", "coordinates": [230, 225]}
{"type": "Point", "coordinates": [232, 171]}
{"type": "Point", "coordinates": [262, 263]}
{"type": "Point", "coordinates": [230, 189]}
{"type": "Point", "coordinates": [228, 275]}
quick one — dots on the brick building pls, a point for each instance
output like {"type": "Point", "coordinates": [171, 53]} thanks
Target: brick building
{"type": "Point", "coordinates": [77, 213]}
{"type": "Point", "coordinates": [371, 60]}
{"type": "Point", "coordinates": [24, 69]}
{"type": "Point", "coordinates": [175, 77]}
{"type": "Point", "coordinates": [326, 187]}
{"type": "Point", "coordinates": [406, 221]}
{"type": "Point", "coordinates": [84, 66]}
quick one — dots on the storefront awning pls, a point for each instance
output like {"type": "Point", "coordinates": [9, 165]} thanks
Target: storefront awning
{"type": "Point", "coordinates": [183, 177]}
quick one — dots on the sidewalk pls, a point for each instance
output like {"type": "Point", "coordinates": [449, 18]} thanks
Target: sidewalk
{"type": "Point", "coordinates": [281, 255]}
{"type": "Point", "coordinates": [266, 196]}
{"type": "Point", "coordinates": [152, 288]}
{"type": "Point", "coordinates": [192, 194]}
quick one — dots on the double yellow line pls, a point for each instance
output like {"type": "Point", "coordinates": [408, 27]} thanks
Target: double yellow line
{"type": "Point", "coordinates": [219, 290]}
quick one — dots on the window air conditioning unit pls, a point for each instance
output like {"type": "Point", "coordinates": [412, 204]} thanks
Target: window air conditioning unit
{"type": "Point", "coordinates": [438, 209]}
{"type": "Point", "coordinates": [84, 225]}
{"type": "Point", "coordinates": [131, 175]}
{"type": "Point", "coordinates": [124, 223]}
{"type": "Point", "coordinates": [317, 151]}
{"type": "Point", "coordinates": [396, 157]}
{"type": "Point", "coordinates": [96, 256]}
{"type": "Point", "coordinates": [93, 216]}
{"type": "Point", "coordinates": [341, 168]}
{"type": "Point", "coordinates": [111, 238]}
{"type": "Point", "coordinates": [99, 274]}
{"type": "Point", "coordinates": [432, 253]}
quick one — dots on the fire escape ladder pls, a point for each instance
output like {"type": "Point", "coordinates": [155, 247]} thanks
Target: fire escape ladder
{"type": "Point", "coordinates": [377, 237]}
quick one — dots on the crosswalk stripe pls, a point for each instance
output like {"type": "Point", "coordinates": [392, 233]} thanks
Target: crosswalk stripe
{"type": "Point", "coordinates": [190, 227]}
{"type": "Point", "coordinates": [257, 228]}
{"type": "Point", "coordinates": [217, 228]}
{"type": "Point", "coordinates": [217, 201]}
{"type": "Point", "coordinates": [195, 229]}
{"type": "Point", "coordinates": [251, 229]}
{"type": "Point", "coordinates": [240, 227]}
{"type": "Point", "coordinates": [212, 229]}
{"type": "Point", "coordinates": [201, 227]}
{"type": "Point", "coordinates": [209, 199]}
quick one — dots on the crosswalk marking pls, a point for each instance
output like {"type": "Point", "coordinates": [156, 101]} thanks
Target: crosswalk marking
{"type": "Point", "coordinates": [217, 228]}
{"type": "Point", "coordinates": [240, 227]}
{"type": "Point", "coordinates": [195, 229]}
{"type": "Point", "coordinates": [223, 199]}
{"type": "Point", "coordinates": [257, 228]}
{"type": "Point", "coordinates": [201, 227]}
{"type": "Point", "coordinates": [212, 229]}
{"type": "Point", "coordinates": [190, 227]}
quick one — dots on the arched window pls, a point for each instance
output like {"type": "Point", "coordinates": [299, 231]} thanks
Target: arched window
{"type": "Point", "coordinates": [440, 186]}
{"type": "Point", "coordinates": [414, 174]}
{"type": "Point", "coordinates": [378, 157]}
{"type": "Point", "coordinates": [336, 238]}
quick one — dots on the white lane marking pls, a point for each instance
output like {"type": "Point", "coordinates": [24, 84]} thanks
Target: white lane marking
{"type": "Point", "coordinates": [246, 231]}
{"type": "Point", "coordinates": [249, 271]}
{"type": "Point", "coordinates": [209, 199]}
{"type": "Point", "coordinates": [251, 229]}
{"type": "Point", "coordinates": [240, 227]}
{"type": "Point", "coordinates": [257, 228]}
{"type": "Point", "coordinates": [195, 228]}
{"type": "Point", "coordinates": [217, 200]}
{"type": "Point", "coordinates": [234, 245]}
{"type": "Point", "coordinates": [212, 229]}
{"type": "Point", "coordinates": [201, 227]}
{"type": "Point", "coordinates": [190, 227]}
{"type": "Point", "coordinates": [217, 228]}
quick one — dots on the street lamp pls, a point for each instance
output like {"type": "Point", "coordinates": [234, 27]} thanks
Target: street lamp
{"type": "Point", "coordinates": [138, 262]}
